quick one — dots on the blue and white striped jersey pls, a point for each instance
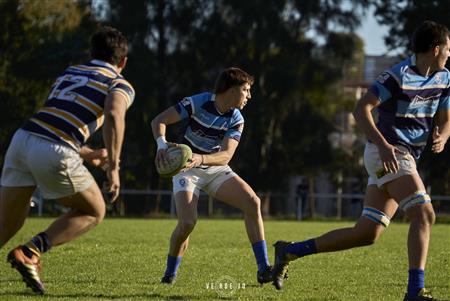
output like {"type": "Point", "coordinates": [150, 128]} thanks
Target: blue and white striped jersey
{"type": "Point", "coordinates": [206, 127]}
{"type": "Point", "coordinates": [409, 102]}
{"type": "Point", "coordinates": [74, 108]}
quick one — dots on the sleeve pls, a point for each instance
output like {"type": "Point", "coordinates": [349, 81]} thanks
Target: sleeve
{"type": "Point", "coordinates": [236, 128]}
{"type": "Point", "coordinates": [123, 87]}
{"type": "Point", "coordinates": [444, 101]}
{"type": "Point", "coordinates": [185, 107]}
{"type": "Point", "coordinates": [385, 86]}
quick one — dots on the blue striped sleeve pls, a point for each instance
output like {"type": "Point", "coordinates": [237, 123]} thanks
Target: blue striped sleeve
{"type": "Point", "coordinates": [384, 87]}
{"type": "Point", "coordinates": [184, 107]}
{"type": "Point", "coordinates": [444, 101]}
{"type": "Point", "coordinates": [237, 126]}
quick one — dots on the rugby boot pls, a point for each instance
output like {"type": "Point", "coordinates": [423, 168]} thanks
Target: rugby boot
{"type": "Point", "coordinates": [29, 268]}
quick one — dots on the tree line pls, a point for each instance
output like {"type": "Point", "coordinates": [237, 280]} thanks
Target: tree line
{"type": "Point", "coordinates": [299, 52]}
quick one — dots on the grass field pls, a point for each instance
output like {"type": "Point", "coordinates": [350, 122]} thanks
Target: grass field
{"type": "Point", "coordinates": [123, 259]}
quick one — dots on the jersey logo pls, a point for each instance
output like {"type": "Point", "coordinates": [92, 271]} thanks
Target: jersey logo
{"type": "Point", "coordinates": [185, 102]}
{"type": "Point", "coordinates": [382, 77]}
{"type": "Point", "coordinates": [438, 78]}
{"type": "Point", "coordinates": [419, 101]}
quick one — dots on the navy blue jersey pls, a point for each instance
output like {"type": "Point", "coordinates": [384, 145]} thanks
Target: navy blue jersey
{"type": "Point", "coordinates": [206, 127]}
{"type": "Point", "coordinates": [409, 102]}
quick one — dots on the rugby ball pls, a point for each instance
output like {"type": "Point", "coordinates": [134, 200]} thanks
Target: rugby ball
{"type": "Point", "coordinates": [177, 159]}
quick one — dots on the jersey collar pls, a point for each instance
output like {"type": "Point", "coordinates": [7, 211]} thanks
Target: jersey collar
{"type": "Point", "coordinates": [105, 64]}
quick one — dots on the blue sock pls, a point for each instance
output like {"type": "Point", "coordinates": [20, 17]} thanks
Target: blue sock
{"type": "Point", "coordinates": [416, 281]}
{"type": "Point", "coordinates": [173, 263]}
{"type": "Point", "coordinates": [260, 251]}
{"type": "Point", "coordinates": [303, 248]}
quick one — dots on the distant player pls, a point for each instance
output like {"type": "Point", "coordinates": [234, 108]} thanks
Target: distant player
{"type": "Point", "coordinates": [413, 102]}
{"type": "Point", "coordinates": [48, 152]}
{"type": "Point", "coordinates": [214, 129]}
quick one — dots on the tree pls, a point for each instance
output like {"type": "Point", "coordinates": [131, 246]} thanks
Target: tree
{"type": "Point", "coordinates": [38, 39]}
{"type": "Point", "coordinates": [403, 16]}
{"type": "Point", "coordinates": [181, 46]}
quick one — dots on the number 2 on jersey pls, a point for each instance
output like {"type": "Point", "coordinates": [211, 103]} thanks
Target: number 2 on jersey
{"type": "Point", "coordinates": [67, 92]}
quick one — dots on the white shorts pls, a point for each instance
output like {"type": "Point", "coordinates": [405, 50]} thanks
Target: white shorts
{"type": "Point", "coordinates": [374, 166]}
{"type": "Point", "coordinates": [55, 168]}
{"type": "Point", "coordinates": [207, 179]}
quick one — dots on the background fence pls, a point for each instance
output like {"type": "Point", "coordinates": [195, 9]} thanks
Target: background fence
{"type": "Point", "coordinates": [160, 203]}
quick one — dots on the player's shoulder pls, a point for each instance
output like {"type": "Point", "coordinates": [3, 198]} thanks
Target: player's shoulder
{"type": "Point", "coordinates": [395, 73]}
{"type": "Point", "coordinates": [402, 67]}
{"type": "Point", "coordinates": [197, 100]}
{"type": "Point", "coordinates": [236, 116]}
{"type": "Point", "coordinates": [444, 76]}
{"type": "Point", "coordinates": [119, 79]}
{"type": "Point", "coordinates": [202, 97]}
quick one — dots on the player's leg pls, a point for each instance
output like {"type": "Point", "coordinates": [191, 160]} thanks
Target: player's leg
{"type": "Point", "coordinates": [14, 206]}
{"type": "Point", "coordinates": [88, 210]}
{"type": "Point", "coordinates": [410, 192]}
{"type": "Point", "coordinates": [379, 207]}
{"type": "Point", "coordinates": [237, 193]}
{"type": "Point", "coordinates": [186, 205]}
{"type": "Point", "coordinates": [17, 186]}
{"type": "Point", "coordinates": [60, 174]}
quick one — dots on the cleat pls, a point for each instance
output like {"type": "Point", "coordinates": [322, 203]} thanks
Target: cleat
{"type": "Point", "coordinates": [424, 295]}
{"type": "Point", "coordinates": [29, 268]}
{"type": "Point", "coordinates": [267, 275]}
{"type": "Point", "coordinates": [264, 276]}
{"type": "Point", "coordinates": [168, 279]}
{"type": "Point", "coordinates": [281, 266]}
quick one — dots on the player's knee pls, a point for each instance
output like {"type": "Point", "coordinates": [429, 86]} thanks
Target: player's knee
{"type": "Point", "coordinates": [96, 216]}
{"type": "Point", "coordinates": [368, 238]}
{"type": "Point", "coordinates": [187, 226]}
{"type": "Point", "coordinates": [253, 204]}
{"type": "Point", "coordinates": [422, 214]}
{"type": "Point", "coordinates": [99, 217]}
{"type": "Point", "coordinates": [369, 233]}
{"type": "Point", "coordinates": [9, 224]}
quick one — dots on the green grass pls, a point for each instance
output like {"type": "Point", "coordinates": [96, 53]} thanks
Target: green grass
{"type": "Point", "coordinates": [123, 259]}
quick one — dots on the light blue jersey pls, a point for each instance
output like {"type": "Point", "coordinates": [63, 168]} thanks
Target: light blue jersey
{"type": "Point", "coordinates": [207, 127]}
{"type": "Point", "coordinates": [409, 102]}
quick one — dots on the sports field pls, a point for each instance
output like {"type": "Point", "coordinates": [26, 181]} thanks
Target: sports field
{"type": "Point", "coordinates": [123, 259]}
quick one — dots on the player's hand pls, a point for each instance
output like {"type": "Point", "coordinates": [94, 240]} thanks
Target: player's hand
{"type": "Point", "coordinates": [438, 141]}
{"type": "Point", "coordinates": [195, 161]}
{"type": "Point", "coordinates": [112, 186]}
{"type": "Point", "coordinates": [161, 155]}
{"type": "Point", "coordinates": [95, 157]}
{"type": "Point", "coordinates": [387, 155]}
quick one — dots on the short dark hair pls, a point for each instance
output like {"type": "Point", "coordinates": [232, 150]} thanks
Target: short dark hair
{"type": "Point", "coordinates": [428, 35]}
{"type": "Point", "coordinates": [109, 45]}
{"type": "Point", "coordinates": [231, 77]}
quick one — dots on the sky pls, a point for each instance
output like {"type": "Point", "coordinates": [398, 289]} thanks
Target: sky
{"type": "Point", "coordinates": [372, 34]}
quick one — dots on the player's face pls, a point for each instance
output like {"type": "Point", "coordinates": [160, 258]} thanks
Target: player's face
{"type": "Point", "coordinates": [242, 96]}
{"type": "Point", "coordinates": [444, 53]}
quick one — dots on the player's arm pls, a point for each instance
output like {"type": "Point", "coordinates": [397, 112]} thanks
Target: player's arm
{"type": "Point", "coordinates": [441, 131]}
{"type": "Point", "coordinates": [113, 134]}
{"type": "Point", "coordinates": [222, 157]}
{"type": "Point", "coordinates": [159, 125]}
{"type": "Point", "coordinates": [364, 119]}
{"type": "Point", "coordinates": [162, 120]}
{"type": "Point", "coordinates": [95, 157]}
